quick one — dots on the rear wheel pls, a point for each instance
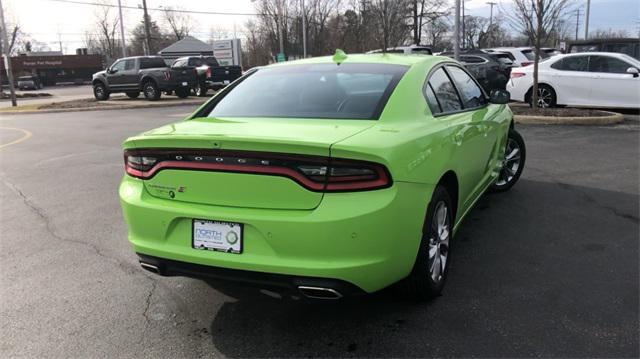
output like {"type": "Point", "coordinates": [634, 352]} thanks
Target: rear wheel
{"type": "Point", "coordinates": [132, 94]}
{"type": "Point", "coordinates": [151, 91]}
{"type": "Point", "coordinates": [182, 93]}
{"type": "Point", "coordinates": [512, 164]}
{"type": "Point", "coordinates": [546, 96]}
{"type": "Point", "coordinates": [100, 92]}
{"type": "Point", "coordinates": [429, 273]}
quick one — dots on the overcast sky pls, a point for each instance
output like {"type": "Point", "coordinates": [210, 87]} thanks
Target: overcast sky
{"type": "Point", "coordinates": [45, 19]}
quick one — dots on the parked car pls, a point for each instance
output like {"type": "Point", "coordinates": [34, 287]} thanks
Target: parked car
{"type": "Point", "coordinates": [522, 56]}
{"type": "Point", "coordinates": [491, 72]}
{"type": "Point", "coordinates": [590, 79]}
{"type": "Point", "coordinates": [628, 46]}
{"type": "Point", "coordinates": [148, 74]}
{"type": "Point", "coordinates": [550, 51]}
{"type": "Point", "coordinates": [29, 83]}
{"type": "Point", "coordinates": [210, 74]}
{"type": "Point", "coordinates": [412, 49]}
{"type": "Point", "coordinates": [329, 177]}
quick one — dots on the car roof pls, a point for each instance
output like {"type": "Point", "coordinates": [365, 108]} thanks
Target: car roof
{"type": "Point", "coordinates": [377, 58]}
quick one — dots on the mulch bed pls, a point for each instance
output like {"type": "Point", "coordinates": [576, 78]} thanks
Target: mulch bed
{"type": "Point", "coordinates": [6, 95]}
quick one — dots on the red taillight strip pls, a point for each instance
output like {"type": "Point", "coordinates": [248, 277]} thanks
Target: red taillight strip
{"type": "Point", "coordinates": [333, 184]}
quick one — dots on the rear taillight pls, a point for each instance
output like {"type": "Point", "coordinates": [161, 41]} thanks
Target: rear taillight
{"type": "Point", "coordinates": [526, 63]}
{"type": "Point", "coordinates": [515, 75]}
{"type": "Point", "coordinates": [208, 71]}
{"type": "Point", "coordinates": [316, 173]}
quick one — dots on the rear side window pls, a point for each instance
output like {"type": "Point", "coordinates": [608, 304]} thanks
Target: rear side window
{"type": "Point", "coordinates": [608, 65]}
{"type": "Point", "coordinates": [445, 92]}
{"type": "Point", "coordinates": [470, 92]}
{"type": "Point", "coordinates": [432, 101]}
{"type": "Point", "coordinates": [347, 91]}
{"type": "Point", "coordinates": [151, 62]}
{"type": "Point", "coordinates": [211, 61]}
{"type": "Point", "coordinates": [574, 63]}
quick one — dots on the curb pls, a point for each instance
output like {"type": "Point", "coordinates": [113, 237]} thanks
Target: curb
{"type": "Point", "coordinates": [109, 107]}
{"type": "Point", "coordinates": [611, 119]}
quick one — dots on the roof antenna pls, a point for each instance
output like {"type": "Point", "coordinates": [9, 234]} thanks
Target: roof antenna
{"type": "Point", "coordinates": [339, 56]}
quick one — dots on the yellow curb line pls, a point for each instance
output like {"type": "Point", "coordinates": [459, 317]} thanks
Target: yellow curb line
{"type": "Point", "coordinates": [26, 136]}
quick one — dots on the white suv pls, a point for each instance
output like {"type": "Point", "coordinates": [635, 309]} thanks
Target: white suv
{"type": "Point", "coordinates": [522, 56]}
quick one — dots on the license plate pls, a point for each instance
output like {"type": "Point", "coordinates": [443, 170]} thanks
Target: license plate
{"type": "Point", "coordinates": [226, 82]}
{"type": "Point", "coordinates": [217, 236]}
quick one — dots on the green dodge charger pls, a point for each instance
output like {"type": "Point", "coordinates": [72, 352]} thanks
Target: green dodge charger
{"type": "Point", "coordinates": [329, 177]}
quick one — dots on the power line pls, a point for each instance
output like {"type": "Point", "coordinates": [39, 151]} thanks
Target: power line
{"type": "Point", "coordinates": [159, 9]}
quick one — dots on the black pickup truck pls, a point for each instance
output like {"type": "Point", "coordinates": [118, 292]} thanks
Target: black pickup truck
{"type": "Point", "coordinates": [210, 74]}
{"type": "Point", "coordinates": [147, 74]}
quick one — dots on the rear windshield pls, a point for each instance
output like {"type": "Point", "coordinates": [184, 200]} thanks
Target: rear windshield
{"type": "Point", "coordinates": [198, 61]}
{"type": "Point", "coordinates": [25, 78]}
{"type": "Point", "coordinates": [152, 62]}
{"type": "Point", "coordinates": [531, 55]}
{"type": "Point", "coordinates": [346, 91]}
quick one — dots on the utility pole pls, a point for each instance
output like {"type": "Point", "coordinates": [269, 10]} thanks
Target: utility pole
{"type": "Point", "coordinates": [304, 31]}
{"type": "Point", "coordinates": [577, 22]}
{"type": "Point", "coordinates": [586, 21]}
{"type": "Point", "coordinates": [456, 32]}
{"type": "Point", "coordinates": [279, 22]}
{"type": "Point", "coordinates": [492, 4]}
{"type": "Point", "coordinates": [463, 30]}
{"type": "Point", "coordinates": [124, 46]}
{"type": "Point", "coordinates": [147, 31]}
{"type": "Point", "coordinates": [7, 58]}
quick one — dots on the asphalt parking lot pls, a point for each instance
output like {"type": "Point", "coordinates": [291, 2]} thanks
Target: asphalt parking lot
{"type": "Point", "coordinates": [547, 269]}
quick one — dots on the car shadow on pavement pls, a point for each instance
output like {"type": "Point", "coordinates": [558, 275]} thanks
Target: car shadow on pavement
{"type": "Point", "coordinates": [547, 269]}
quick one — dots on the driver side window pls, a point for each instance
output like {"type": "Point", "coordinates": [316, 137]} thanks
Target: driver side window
{"type": "Point", "coordinates": [118, 66]}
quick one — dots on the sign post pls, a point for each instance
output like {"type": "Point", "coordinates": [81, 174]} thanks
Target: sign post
{"type": "Point", "coordinates": [280, 57]}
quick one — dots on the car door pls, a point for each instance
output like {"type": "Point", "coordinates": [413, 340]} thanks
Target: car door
{"type": "Point", "coordinates": [464, 134]}
{"type": "Point", "coordinates": [130, 74]}
{"type": "Point", "coordinates": [482, 122]}
{"type": "Point", "coordinates": [570, 79]}
{"type": "Point", "coordinates": [115, 75]}
{"type": "Point", "coordinates": [612, 86]}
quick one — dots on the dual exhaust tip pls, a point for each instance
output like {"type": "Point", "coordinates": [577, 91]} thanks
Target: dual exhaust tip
{"type": "Point", "coordinates": [308, 291]}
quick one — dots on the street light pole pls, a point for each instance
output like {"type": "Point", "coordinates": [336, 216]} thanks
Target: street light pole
{"type": "Point", "coordinates": [124, 46]}
{"type": "Point", "coordinates": [456, 32]}
{"type": "Point", "coordinates": [7, 58]}
{"type": "Point", "coordinates": [463, 39]}
{"type": "Point", "coordinates": [304, 31]}
{"type": "Point", "coordinates": [492, 4]}
{"type": "Point", "coordinates": [279, 22]}
{"type": "Point", "coordinates": [586, 21]}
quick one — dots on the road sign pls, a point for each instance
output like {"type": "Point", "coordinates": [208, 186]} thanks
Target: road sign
{"type": "Point", "coordinates": [280, 57]}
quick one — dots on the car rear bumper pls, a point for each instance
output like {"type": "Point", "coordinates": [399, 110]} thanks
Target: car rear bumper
{"type": "Point", "coordinates": [517, 89]}
{"type": "Point", "coordinates": [368, 239]}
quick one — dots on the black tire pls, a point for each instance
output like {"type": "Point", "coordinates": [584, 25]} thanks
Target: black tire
{"type": "Point", "coordinates": [151, 91]}
{"type": "Point", "coordinates": [546, 96]}
{"type": "Point", "coordinates": [424, 283]}
{"type": "Point", "coordinates": [201, 89]}
{"type": "Point", "coordinates": [132, 94]}
{"type": "Point", "coordinates": [182, 93]}
{"type": "Point", "coordinates": [100, 92]}
{"type": "Point", "coordinates": [513, 163]}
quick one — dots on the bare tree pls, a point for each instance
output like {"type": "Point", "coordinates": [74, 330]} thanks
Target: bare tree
{"type": "Point", "coordinates": [390, 19]}
{"type": "Point", "coordinates": [421, 10]}
{"type": "Point", "coordinates": [103, 39]}
{"type": "Point", "coordinates": [474, 27]}
{"type": "Point", "coordinates": [181, 24]}
{"type": "Point", "coordinates": [608, 34]}
{"type": "Point", "coordinates": [536, 19]}
{"type": "Point", "coordinates": [14, 34]}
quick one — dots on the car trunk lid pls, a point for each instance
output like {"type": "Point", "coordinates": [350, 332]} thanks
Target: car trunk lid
{"type": "Point", "coordinates": [241, 142]}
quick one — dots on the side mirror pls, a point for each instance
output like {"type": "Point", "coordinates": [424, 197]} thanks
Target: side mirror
{"type": "Point", "coordinates": [499, 96]}
{"type": "Point", "coordinates": [633, 71]}
{"type": "Point", "coordinates": [112, 71]}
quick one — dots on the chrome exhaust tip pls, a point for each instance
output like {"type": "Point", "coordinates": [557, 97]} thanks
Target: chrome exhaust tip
{"type": "Point", "coordinates": [319, 292]}
{"type": "Point", "coordinates": [150, 267]}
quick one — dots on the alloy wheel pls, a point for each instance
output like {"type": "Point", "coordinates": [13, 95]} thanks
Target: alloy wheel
{"type": "Point", "coordinates": [149, 91]}
{"type": "Point", "coordinates": [439, 242]}
{"type": "Point", "coordinates": [545, 97]}
{"type": "Point", "coordinates": [510, 164]}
